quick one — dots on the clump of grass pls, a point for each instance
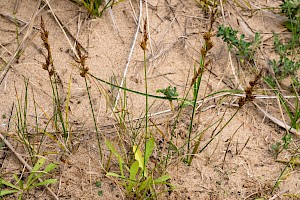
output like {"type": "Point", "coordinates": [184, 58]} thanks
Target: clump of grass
{"type": "Point", "coordinates": [291, 9]}
{"type": "Point", "coordinates": [21, 124]}
{"type": "Point", "coordinates": [94, 6]}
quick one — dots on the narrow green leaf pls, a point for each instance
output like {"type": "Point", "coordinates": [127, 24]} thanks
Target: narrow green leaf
{"type": "Point", "coordinates": [6, 192]}
{"type": "Point", "coordinates": [113, 174]}
{"type": "Point", "coordinates": [50, 167]}
{"type": "Point", "coordinates": [145, 184]}
{"type": "Point", "coordinates": [113, 150]}
{"type": "Point", "coordinates": [45, 182]}
{"type": "Point", "coordinates": [162, 179]}
{"type": "Point", "coordinates": [4, 182]}
{"type": "Point", "coordinates": [120, 161]}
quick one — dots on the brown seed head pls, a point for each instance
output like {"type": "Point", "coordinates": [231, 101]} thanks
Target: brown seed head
{"type": "Point", "coordinates": [145, 37]}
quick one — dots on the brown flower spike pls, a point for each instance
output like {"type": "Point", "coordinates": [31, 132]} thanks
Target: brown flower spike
{"type": "Point", "coordinates": [145, 37]}
{"type": "Point", "coordinates": [84, 69]}
{"type": "Point", "coordinates": [48, 65]}
{"type": "Point", "coordinates": [249, 90]}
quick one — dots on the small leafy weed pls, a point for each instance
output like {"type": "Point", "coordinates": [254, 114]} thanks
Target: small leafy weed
{"type": "Point", "coordinates": [244, 49]}
{"type": "Point", "coordinates": [280, 146]}
{"type": "Point", "coordinates": [169, 94]}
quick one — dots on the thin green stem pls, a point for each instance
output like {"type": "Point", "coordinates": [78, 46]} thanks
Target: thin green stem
{"type": "Point", "coordinates": [212, 138]}
{"type": "Point", "coordinates": [94, 118]}
{"type": "Point", "coordinates": [146, 109]}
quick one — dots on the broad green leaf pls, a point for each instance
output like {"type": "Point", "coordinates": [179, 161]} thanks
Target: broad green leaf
{"type": "Point", "coordinates": [4, 182]}
{"type": "Point", "coordinates": [138, 156]}
{"type": "Point", "coordinates": [149, 149]}
{"type": "Point", "coordinates": [48, 181]}
{"type": "Point", "coordinates": [6, 192]}
{"type": "Point", "coordinates": [36, 168]}
{"type": "Point", "coordinates": [133, 171]}
{"type": "Point", "coordinates": [162, 179]}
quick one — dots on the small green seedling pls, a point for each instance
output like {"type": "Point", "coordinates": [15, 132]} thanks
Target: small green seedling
{"type": "Point", "coordinates": [286, 65]}
{"type": "Point", "coordinates": [279, 146]}
{"type": "Point", "coordinates": [98, 185]}
{"type": "Point", "coordinates": [169, 94]}
{"type": "Point", "coordinates": [32, 181]}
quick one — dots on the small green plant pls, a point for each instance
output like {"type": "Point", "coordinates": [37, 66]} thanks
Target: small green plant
{"type": "Point", "coordinates": [169, 93]}
{"type": "Point", "coordinates": [287, 64]}
{"type": "Point", "coordinates": [278, 147]}
{"type": "Point", "coordinates": [98, 185]}
{"type": "Point", "coordinates": [137, 180]}
{"type": "Point", "coordinates": [93, 6]}
{"type": "Point", "coordinates": [32, 181]}
{"type": "Point", "coordinates": [291, 9]}
{"type": "Point", "coordinates": [293, 111]}
{"type": "Point", "coordinates": [244, 50]}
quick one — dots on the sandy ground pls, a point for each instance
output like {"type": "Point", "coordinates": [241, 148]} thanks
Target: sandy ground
{"type": "Point", "coordinates": [238, 164]}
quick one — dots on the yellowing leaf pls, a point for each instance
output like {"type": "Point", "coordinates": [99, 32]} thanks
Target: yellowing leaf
{"type": "Point", "coordinates": [138, 156]}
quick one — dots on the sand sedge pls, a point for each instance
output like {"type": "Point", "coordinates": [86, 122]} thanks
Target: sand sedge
{"type": "Point", "coordinates": [60, 124]}
{"type": "Point", "coordinates": [137, 179]}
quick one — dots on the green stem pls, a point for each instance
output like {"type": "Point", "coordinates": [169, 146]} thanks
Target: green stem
{"type": "Point", "coordinates": [94, 118]}
{"type": "Point", "coordinates": [198, 142]}
{"type": "Point", "coordinates": [146, 109]}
